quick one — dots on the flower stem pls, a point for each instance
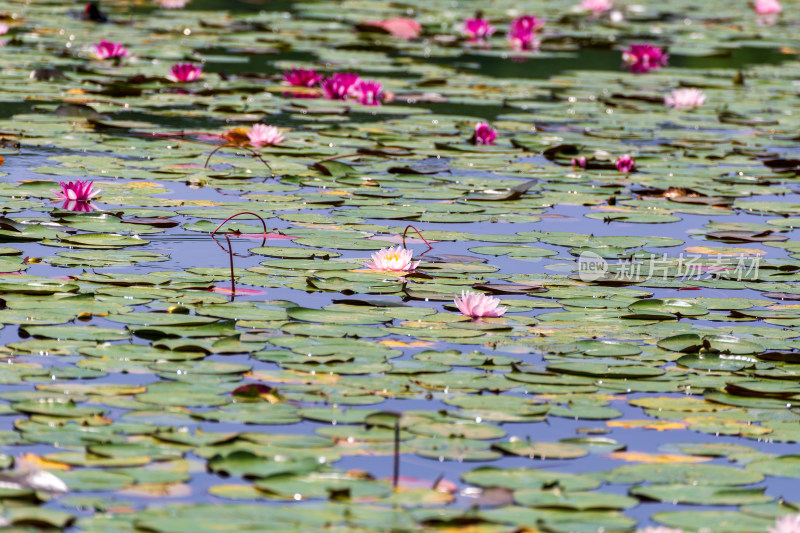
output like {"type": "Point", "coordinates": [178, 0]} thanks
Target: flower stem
{"type": "Point", "coordinates": [418, 233]}
{"type": "Point", "coordinates": [230, 248]}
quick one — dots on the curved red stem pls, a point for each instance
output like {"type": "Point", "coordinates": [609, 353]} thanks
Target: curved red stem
{"type": "Point", "coordinates": [256, 154]}
{"type": "Point", "coordinates": [263, 224]}
{"type": "Point", "coordinates": [418, 233]}
{"type": "Point", "coordinates": [230, 248]}
{"type": "Point", "coordinates": [230, 254]}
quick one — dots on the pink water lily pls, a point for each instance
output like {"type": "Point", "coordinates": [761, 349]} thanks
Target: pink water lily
{"type": "Point", "coordinates": [683, 98]}
{"type": "Point", "coordinates": [767, 7]}
{"type": "Point", "coordinates": [369, 92]}
{"type": "Point", "coordinates": [625, 163]}
{"type": "Point", "coordinates": [484, 134]}
{"type": "Point", "coordinates": [477, 305]}
{"type": "Point", "coordinates": [108, 50]}
{"type": "Point", "coordinates": [184, 72]}
{"type": "Point", "coordinates": [340, 86]}
{"type": "Point", "coordinates": [396, 259]}
{"type": "Point", "coordinates": [4, 28]}
{"type": "Point", "coordinates": [642, 58]}
{"type": "Point", "coordinates": [596, 6]}
{"type": "Point", "coordinates": [262, 135]}
{"type": "Point", "coordinates": [172, 4]}
{"type": "Point", "coordinates": [477, 29]}
{"type": "Point", "coordinates": [522, 32]}
{"type": "Point", "coordinates": [786, 524]}
{"type": "Point", "coordinates": [302, 77]}
{"type": "Point", "coordinates": [579, 161]}
{"type": "Point", "coordinates": [405, 28]}
{"type": "Point", "coordinates": [77, 191]}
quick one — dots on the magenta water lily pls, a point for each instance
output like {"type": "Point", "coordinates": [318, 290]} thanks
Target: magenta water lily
{"type": "Point", "coordinates": [484, 134]}
{"type": "Point", "coordinates": [478, 305]}
{"type": "Point", "coordinates": [184, 72]}
{"type": "Point", "coordinates": [369, 92]}
{"type": "Point", "coordinates": [625, 163]}
{"type": "Point", "coordinates": [642, 58]}
{"type": "Point", "coordinates": [522, 32]}
{"type": "Point", "coordinates": [301, 77]}
{"type": "Point", "coordinates": [340, 86]}
{"type": "Point", "coordinates": [108, 50]}
{"type": "Point", "coordinates": [477, 29]}
{"type": "Point", "coordinates": [78, 191]}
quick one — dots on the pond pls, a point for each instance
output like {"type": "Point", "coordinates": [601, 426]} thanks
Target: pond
{"type": "Point", "coordinates": [219, 339]}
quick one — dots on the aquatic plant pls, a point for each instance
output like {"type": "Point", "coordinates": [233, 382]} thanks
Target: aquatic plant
{"type": "Point", "coordinates": [683, 98]}
{"type": "Point", "coordinates": [184, 72]}
{"type": "Point", "coordinates": [340, 86]}
{"type": "Point", "coordinates": [263, 135]}
{"type": "Point", "coordinates": [786, 524]}
{"type": "Point", "coordinates": [767, 7]}
{"type": "Point", "coordinates": [484, 134]}
{"type": "Point", "coordinates": [395, 259]}
{"type": "Point", "coordinates": [77, 191]}
{"type": "Point", "coordinates": [369, 92]}
{"type": "Point", "coordinates": [108, 50]}
{"type": "Point", "coordinates": [625, 163]}
{"type": "Point", "coordinates": [302, 77]}
{"type": "Point", "coordinates": [596, 6]}
{"type": "Point", "coordinates": [477, 29]}
{"type": "Point", "coordinates": [522, 32]}
{"type": "Point", "coordinates": [172, 4]}
{"type": "Point", "coordinates": [642, 58]}
{"type": "Point", "coordinates": [477, 305]}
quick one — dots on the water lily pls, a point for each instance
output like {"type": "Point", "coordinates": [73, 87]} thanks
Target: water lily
{"type": "Point", "coordinates": [786, 524]}
{"type": "Point", "coordinates": [396, 259]}
{"type": "Point", "coordinates": [369, 92]}
{"type": "Point", "coordinates": [767, 7]}
{"type": "Point", "coordinates": [172, 4]}
{"type": "Point", "coordinates": [302, 77]}
{"type": "Point", "coordinates": [522, 32]}
{"type": "Point", "coordinates": [184, 72]}
{"type": "Point", "coordinates": [596, 6]}
{"type": "Point", "coordinates": [477, 29]}
{"type": "Point", "coordinates": [78, 191]}
{"type": "Point", "coordinates": [641, 58]}
{"type": "Point", "coordinates": [477, 305]}
{"type": "Point", "coordinates": [403, 27]}
{"type": "Point", "coordinates": [108, 50]}
{"type": "Point", "coordinates": [4, 28]}
{"type": "Point", "coordinates": [625, 163]}
{"type": "Point", "coordinates": [263, 135]}
{"type": "Point", "coordinates": [484, 134]}
{"type": "Point", "coordinates": [682, 98]}
{"type": "Point", "coordinates": [579, 161]}
{"type": "Point", "coordinates": [340, 86]}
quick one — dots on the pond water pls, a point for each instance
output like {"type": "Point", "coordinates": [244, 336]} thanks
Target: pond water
{"type": "Point", "coordinates": [663, 391]}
